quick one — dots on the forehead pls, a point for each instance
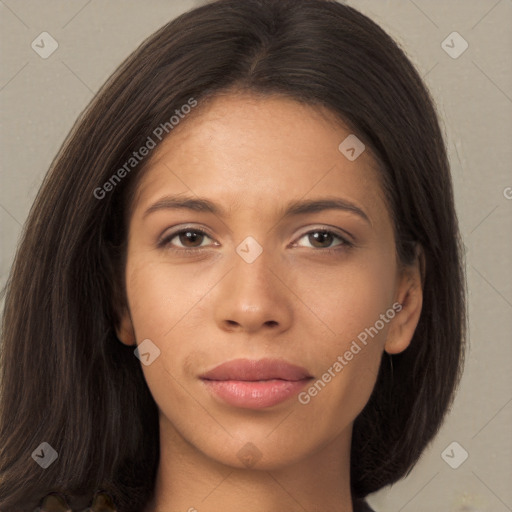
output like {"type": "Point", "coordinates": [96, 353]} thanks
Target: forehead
{"type": "Point", "coordinates": [253, 151]}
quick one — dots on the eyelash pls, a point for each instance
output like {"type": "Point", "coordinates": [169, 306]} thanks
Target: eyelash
{"type": "Point", "coordinates": [166, 242]}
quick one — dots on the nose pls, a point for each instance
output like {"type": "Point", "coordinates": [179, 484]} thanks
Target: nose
{"type": "Point", "coordinates": [252, 298]}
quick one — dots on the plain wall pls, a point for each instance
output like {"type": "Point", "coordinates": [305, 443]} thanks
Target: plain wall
{"type": "Point", "coordinates": [41, 98]}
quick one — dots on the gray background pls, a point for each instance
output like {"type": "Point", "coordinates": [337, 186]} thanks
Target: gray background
{"type": "Point", "coordinates": [41, 98]}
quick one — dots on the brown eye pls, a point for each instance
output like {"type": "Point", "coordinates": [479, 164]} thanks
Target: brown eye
{"type": "Point", "coordinates": [325, 239]}
{"type": "Point", "coordinates": [185, 239]}
{"type": "Point", "coordinates": [190, 238]}
{"type": "Point", "coordinates": [321, 239]}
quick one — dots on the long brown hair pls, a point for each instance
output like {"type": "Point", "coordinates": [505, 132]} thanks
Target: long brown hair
{"type": "Point", "coordinates": [66, 379]}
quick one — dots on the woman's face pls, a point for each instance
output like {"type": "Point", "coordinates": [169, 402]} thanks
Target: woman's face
{"type": "Point", "coordinates": [285, 251]}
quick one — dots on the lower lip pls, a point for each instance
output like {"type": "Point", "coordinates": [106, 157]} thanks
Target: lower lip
{"type": "Point", "coordinates": [255, 394]}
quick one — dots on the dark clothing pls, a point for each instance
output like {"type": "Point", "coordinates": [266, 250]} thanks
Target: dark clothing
{"type": "Point", "coordinates": [362, 506]}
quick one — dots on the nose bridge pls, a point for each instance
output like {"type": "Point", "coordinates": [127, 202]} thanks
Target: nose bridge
{"type": "Point", "coordinates": [252, 297]}
{"type": "Point", "coordinates": [252, 272]}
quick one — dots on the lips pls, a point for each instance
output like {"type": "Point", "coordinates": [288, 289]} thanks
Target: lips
{"type": "Point", "coordinates": [254, 384]}
{"type": "Point", "coordinates": [257, 370]}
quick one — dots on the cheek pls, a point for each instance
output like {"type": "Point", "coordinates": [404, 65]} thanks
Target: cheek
{"type": "Point", "coordinates": [349, 350]}
{"type": "Point", "coordinates": [160, 298]}
{"type": "Point", "coordinates": [348, 298]}
{"type": "Point", "coordinates": [167, 307]}
{"type": "Point", "coordinates": [352, 305]}
{"type": "Point", "coordinates": [160, 295]}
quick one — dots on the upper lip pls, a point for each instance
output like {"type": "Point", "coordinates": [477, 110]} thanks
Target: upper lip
{"type": "Point", "coordinates": [255, 370]}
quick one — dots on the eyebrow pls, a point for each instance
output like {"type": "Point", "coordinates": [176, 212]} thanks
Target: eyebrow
{"type": "Point", "coordinates": [294, 208]}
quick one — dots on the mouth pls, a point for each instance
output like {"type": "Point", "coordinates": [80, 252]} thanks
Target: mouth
{"type": "Point", "coordinates": [255, 384]}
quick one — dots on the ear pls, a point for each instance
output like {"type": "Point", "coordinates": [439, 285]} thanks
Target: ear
{"type": "Point", "coordinates": [124, 330]}
{"type": "Point", "coordinates": [410, 295]}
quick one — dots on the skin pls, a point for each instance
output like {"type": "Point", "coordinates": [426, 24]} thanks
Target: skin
{"type": "Point", "coordinates": [297, 301]}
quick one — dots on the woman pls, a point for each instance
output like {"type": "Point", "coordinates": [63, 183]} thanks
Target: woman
{"type": "Point", "coordinates": [240, 286]}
